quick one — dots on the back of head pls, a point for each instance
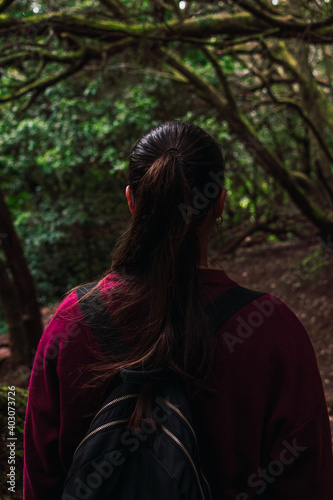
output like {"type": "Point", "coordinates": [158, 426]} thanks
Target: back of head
{"type": "Point", "coordinates": [171, 174]}
{"type": "Point", "coordinates": [176, 158]}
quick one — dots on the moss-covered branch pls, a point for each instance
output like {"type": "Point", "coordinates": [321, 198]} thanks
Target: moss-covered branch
{"type": "Point", "coordinates": [314, 106]}
{"type": "Point", "coordinates": [42, 83]}
{"type": "Point", "coordinates": [69, 40]}
{"type": "Point", "coordinates": [207, 90]}
{"type": "Point", "coordinates": [307, 119]}
{"type": "Point", "coordinates": [78, 60]}
{"type": "Point", "coordinates": [238, 123]}
{"type": "Point", "coordinates": [220, 24]}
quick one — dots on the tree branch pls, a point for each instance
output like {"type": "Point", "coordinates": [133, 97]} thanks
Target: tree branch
{"type": "Point", "coordinates": [260, 13]}
{"type": "Point", "coordinates": [77, 59]}
{"type": "Point", "coordinates": [244, 232]}
{"type": "Point", "coordinates": [220, 75]}
{"type": "Point", "coordinates": [282, 22]}
{"type": "Point", "coordinates": [117, 8]}
{"type": "Point", "coordinates": [266, 7]}
{"type": "Point", "coordinates": [200, 83]}
{"type": "Point", "coordinates": [43, 83]}
{"type": "Point", "coordinates": [235, 25]}
{"type": "Point", "coordinates": [4, 4]}
{"type": "Point", "coordinates": [291, 102]}
{"type": "Point", "coordinates": [177, 10]}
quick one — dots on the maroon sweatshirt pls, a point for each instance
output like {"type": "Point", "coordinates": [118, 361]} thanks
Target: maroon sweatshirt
{"type": "Point", "coordinates": [266, 435]}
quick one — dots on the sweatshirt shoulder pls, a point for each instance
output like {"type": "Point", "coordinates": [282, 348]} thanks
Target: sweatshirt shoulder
{"type": "Point", "coordinates": [282, 318]}
{"type": "Point", "coordinates": [274, 309]}
{"type": "Point", "coordinates": [264, 325]}
{"type": "Point", "coordinates": [69, 316]}
{"type": "Point", "coordinates": [66, 320]}
{"type": "Point", "coordinates": [68, 310]}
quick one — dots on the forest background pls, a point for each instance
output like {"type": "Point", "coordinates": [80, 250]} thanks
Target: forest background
{"type": "Point", "coordinates": [81, 81]}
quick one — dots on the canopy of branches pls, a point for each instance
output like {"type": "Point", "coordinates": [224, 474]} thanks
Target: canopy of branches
{"type": "Point", "coordinates": [82, 80]}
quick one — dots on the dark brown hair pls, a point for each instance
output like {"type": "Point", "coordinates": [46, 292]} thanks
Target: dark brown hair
{"type": "Point", "coordinates": [171, 173]}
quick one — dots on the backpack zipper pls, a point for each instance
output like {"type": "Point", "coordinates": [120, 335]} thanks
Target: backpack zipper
{"type": "Point", "coordinates": [109, 424]}
{"type": "Point", "coordinates": [102, 427]}
{"type": "Point", "coordinates": [185, 451]}
{"type": "Point", "coordinates": [179, 413]}
{"type": "Point", "coordinates": [113, 402]}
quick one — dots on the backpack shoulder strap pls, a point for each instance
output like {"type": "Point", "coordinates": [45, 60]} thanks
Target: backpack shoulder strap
{"type": "Point", "coordinates": [99, 320]}
{"type": "Point", "coordinates": [221, 309]}
{"type": "Point", "coordinates": [229, 302]}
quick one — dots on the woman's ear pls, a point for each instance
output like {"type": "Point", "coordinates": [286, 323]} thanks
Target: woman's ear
{"type": "Point", "coordinates": [220, 203]}
{"type": "Point", "coordinates": [130, 198]}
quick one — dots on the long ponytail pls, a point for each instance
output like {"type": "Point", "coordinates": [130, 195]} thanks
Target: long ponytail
{"type": "Point", "coordinates": [161, 298]}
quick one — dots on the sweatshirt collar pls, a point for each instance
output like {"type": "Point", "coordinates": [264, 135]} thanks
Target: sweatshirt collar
{"type": "Point", "coordinates": [206, 276]}
{"type": "Point", "coordinates": [215, 277]}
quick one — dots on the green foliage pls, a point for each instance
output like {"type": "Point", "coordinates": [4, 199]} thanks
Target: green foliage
{"type": "Point", "coordinates": [3, 324]}
{"type": "Point", "coordinates": [64, 174]}
{"type": "Point", "coordinates": [64, 163]}
{"type": "Point", "coordinates": [272, 238]}
{"type": "Point", "coordinates": [313, 264]}
{"type": "Point", "coordinates": [308, 269]}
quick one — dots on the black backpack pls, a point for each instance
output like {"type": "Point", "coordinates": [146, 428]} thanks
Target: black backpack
{"type": "Point", "coordinates": [159, 461]}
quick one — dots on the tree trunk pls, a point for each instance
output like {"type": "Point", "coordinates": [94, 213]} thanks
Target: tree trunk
{"type": "Point", "coordinates": [272, 165]}
{"type": "Point", "coordinates": [29, 308]}
{"type": "Point", "coordinates": [12, 309]}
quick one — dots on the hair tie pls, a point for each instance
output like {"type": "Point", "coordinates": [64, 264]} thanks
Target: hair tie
{"type": "Point", "coordinates": [174, 149]}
